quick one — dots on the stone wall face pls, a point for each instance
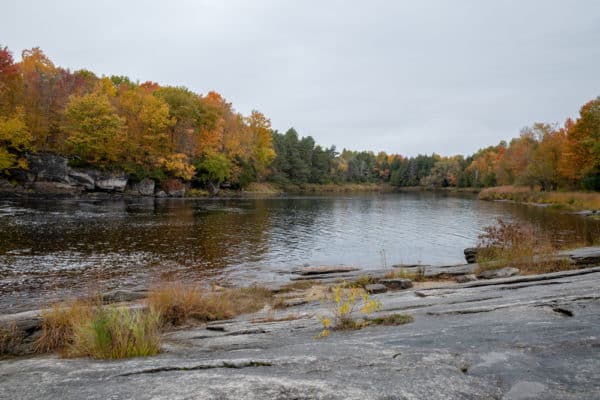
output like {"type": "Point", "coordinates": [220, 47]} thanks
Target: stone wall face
{"type": "Point", "coordinates": [51, 174]}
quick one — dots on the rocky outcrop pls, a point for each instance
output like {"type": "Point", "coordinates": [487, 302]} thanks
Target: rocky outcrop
{"type": "Point", "coordinates": [48, 167]}
{"type": "Point", "coordinates": [323, 270]}
{"type": "Point", "coordinates": [51, 174]}
{"type": "Point", "coordinates": [374, 288]}
{"type": "Point", "coordinates": [145, 187]}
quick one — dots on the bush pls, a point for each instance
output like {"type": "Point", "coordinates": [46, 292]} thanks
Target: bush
{"type": "Point", "coordinates": [343, 303]}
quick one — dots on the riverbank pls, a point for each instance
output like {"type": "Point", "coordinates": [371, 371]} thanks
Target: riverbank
{"type": "Point", "coordinates": [544, 346]}
{"type": "Point", "coordinates": [572, 201]}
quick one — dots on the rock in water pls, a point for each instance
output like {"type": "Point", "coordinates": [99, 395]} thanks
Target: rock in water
{"type": "Point", "coordinates": [471, 254]}
{"type": "Point", "coordinates": [498, 273]}
{"type": "Point", "coordinates": [397, 283]}
{"type": "Point", "coordinates": [323, 270]}
{"type": "Point", "coordinates": [145, 187]}
{"type": "Point", "coordinates": [375, 288]}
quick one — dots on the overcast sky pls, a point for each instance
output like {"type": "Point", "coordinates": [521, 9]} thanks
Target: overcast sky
{"type": "Point", "coordinates": [406, 77]}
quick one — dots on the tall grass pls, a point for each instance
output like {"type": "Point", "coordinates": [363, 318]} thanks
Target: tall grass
{"type": "Point", "coordinates": [571, 200]}
{"type": "Point", "coordinates": [177, 303]}
{"type": "Point", "coordinates": [85, 329]}
{"type": "Point", "coordinates": [117, 332]}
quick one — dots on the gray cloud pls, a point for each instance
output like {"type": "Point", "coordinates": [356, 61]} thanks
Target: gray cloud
{"type": "Point", "coordinates": [407, 77]}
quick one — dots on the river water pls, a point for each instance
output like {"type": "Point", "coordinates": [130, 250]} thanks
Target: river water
{"type": "Point", "coordinates": [51, 248]}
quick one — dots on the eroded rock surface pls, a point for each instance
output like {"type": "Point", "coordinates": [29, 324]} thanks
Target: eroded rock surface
{"type": "Point", "coordinates": [490, 339]}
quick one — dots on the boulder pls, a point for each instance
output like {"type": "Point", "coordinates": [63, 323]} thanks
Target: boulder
{"type": "Point", "coordinates": [82, 178]}
{"type": "Point", "coordinates": [375, 288]}
{"type": "Point", "coordinates": [466, 278]}
{"type": "Point", "coordinates": [177, 192]}
{"type": "Point", "coordinates": [397, 283]}
{"type": "Point", "coordinates": [111, 182]}
{"type": "Point", "coordinates": [145, 187]}
{"type": "Point", "coordinates": [471, 254]}
{"type": "Point", "coordinates": [48, 167]}
{"type": "Point", "coordinates": [498, 273]}
{"type": "Point", "coordinates": [160, 194]}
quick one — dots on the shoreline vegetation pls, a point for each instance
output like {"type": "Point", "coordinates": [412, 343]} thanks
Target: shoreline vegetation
{"type": "Point", "coordinates": [71, 132]}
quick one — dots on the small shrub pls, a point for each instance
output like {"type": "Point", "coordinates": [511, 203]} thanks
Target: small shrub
{"type": "Point", "coordinates": [520, 246]}
{"type": "Point", "coordinates": [343, 303]}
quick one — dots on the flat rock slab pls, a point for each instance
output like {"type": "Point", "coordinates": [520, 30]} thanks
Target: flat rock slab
{"type": "Point", "coordinates": [466, 278]}
{"type": "Point", "coordinates": [397, 283]}
{"type": "Point", "coordinates": [583, 256]}
{"type": "Point", "coordinates": [374, 288]}
{"type": "Point", "coordinates": [323, 270]}
{"type": "Point", "coordinates": [498, 273]}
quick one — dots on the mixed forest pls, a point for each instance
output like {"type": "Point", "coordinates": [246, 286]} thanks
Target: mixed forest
{"type": "Point", "coordinates": [166, 133]}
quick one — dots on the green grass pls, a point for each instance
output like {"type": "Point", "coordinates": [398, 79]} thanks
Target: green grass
{"type": "Point", "coordinates": [391, 319]}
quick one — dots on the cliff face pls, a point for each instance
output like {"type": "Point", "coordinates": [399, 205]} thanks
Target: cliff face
{"type": "Point", "coordinates": [50, 174]}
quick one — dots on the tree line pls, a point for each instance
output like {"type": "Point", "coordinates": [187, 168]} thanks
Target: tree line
{"type": "Point", "coordinates": [166, 133]}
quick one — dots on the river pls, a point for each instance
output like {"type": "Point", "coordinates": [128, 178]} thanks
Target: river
{"type": "Point", "coordinates": [51, 248]}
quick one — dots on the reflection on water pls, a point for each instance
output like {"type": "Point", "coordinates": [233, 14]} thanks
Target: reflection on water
{"type": "Point", "coordinates": [48, 246]}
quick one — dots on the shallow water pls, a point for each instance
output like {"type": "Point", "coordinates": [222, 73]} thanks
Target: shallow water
{"type": "Point", "coordinates": [52, 247]}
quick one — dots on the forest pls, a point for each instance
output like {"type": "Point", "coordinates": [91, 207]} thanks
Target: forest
{"type": "Point", "coordinates": [167, 133]}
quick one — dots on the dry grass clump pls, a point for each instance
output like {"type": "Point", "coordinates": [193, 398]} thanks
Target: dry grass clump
{"type": "Point", "coordinates": [58, 324]}
{"type": "Point", "coordinates": [572, 200]}
{"type": "Point", "coordinates": [86, 329]}
{"type": "Point", "coordinates": [520, 246]}
{"type": "Point", "coordinates": [11, 338]}
{"type": "Point", "coordinates": [296, 285]}
{"type": "Point", "coordinates": [177, 303]}
{"type": "Point", "coordinates": [117, 332]}
{"type": "Point", "coordinates": [414, 274]}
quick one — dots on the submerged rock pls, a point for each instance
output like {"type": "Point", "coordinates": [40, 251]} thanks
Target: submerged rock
{"type": "Point", "coordinates": [498, 273]}
{"type": "Point", "coordinates": [324, 269]}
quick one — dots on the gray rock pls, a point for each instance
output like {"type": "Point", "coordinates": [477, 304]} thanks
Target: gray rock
{"type": "Point", "coordinates": [48, 167]}
{"type": "Point", "coordinates": [471, 254]}
{"type": "Point", "coordinates": [180, 192]}
{"type": "Point", "coordinates": [583, 256]}
{"type": "Point", "coordinates": [466, 278]}
{"type": "Point", "coordinates": [498, 273]}
{"type": "Point", "coordinates": [397, 283]}
{"type": "Point", "coordinates": [145, 187]}
{"type": "Point", "coordinates": [82, 178]}
{"type": "Point", "coordinates": [446, 352]}
{"type": "Point", "coordinates": [161, 194]}
{"type": "Point", "coordinates": [56, 188]}
{"type": "Point", "coordinates": [374, 288]}
{"type": "Point", "coordinates": [324, 269]}
{"type": "Point", "coordinates": [112, 182]}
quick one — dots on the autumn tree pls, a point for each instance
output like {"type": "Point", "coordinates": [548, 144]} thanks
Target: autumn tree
{"type": "Point", "coordinates": [15, 139]}
{"type": "Point", "coordinates": [95, 132]}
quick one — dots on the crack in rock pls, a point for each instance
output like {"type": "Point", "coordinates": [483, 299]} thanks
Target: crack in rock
{"type": "Point", "coordinates": [224, 364]}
